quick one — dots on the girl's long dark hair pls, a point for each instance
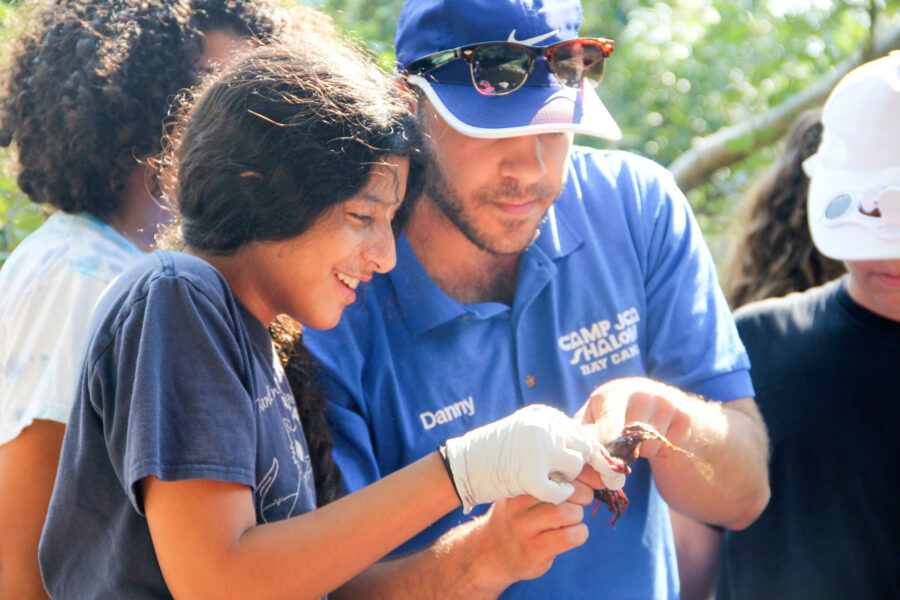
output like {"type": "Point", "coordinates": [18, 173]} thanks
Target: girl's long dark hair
{"type": "Point", "coordinates": [267, 148]}
{"type": "Point", "coordinates": [278, 139]}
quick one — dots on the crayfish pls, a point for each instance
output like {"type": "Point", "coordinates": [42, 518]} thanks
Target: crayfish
{"type": "Point", "coordinates": [623, 451]}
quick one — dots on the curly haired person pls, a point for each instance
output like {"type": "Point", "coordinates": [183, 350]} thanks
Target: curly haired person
{"type": "Point", "coordinates": [85, 100]}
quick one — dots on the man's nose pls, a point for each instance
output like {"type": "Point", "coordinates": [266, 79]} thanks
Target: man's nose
{"type": "Point", "coordinates": [524, 159]}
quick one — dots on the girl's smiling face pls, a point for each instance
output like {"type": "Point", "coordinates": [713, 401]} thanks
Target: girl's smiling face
{"type": "Point", "coordinates": [313, 277]}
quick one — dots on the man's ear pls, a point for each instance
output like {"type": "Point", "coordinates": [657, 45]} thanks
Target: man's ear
{"type": "Point", "coordinates": [404, 91]}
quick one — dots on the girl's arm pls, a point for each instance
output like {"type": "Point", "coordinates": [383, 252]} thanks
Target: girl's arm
{"type": "Point", "coordinates": [209, 545]}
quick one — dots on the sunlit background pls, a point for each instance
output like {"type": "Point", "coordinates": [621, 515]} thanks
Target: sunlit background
{"type": "Point", "coordinates": [707, 88]}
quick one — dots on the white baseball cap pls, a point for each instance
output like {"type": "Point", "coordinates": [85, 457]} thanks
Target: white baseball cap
{"type": "Point", "coordinates": [854, 191]}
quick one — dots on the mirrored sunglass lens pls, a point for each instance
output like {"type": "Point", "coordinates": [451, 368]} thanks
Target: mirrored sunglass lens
{"type": "Point", "coordinates": [573, 62]}
{"type": "Point", "coordinates": [499, 69]}
{"type": "Point", "coordinates": [838, 206]}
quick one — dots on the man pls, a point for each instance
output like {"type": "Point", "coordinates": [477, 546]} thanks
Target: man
{"type": "Point", "coordinates": [826, 367]}
{"type": "Point", "coordinates": [531, 271]}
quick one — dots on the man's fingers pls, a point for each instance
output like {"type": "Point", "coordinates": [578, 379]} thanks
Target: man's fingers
{"type": "Point", "coordinates": [557, 541]}
{"type": "Point", "coordinates": [544, 516]}
{"type": "Point", "coordinates": [607, 413]}
{"type": "Point", "coordinates": [519, 503]}
{"type": "Point", "coordinates": [600, 476]}
{"type": "Point", "coordinates": [583, 494]}
{"type": "Point", "coordinates": [654, 410]}
{"type": "Point", "coordinates": [590, 478]}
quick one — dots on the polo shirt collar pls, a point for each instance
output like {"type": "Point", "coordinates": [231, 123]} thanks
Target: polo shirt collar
{"type": "Point", "coordinates": [422, 303]}
{"type": "Point", "coordinates": [558, 238]}
{"type": "Point", "coordinates": [425, 306]}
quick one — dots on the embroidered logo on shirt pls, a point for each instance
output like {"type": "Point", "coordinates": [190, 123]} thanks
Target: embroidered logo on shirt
{"type": "Point", "coordinates": [601, 343]}
{"type": "Point", "coordinates": [464, 407]}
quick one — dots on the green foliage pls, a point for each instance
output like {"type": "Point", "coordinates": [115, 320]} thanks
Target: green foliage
{"type": "Point", "coordinates": [685, 68]}
{"type": "Point", "coordinates": [369, 22]}
{"type": "Point", "coordinates": [18, 216]}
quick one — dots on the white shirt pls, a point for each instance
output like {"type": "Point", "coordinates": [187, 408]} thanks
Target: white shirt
{"type": "Point", "coordinates": [48, 287]}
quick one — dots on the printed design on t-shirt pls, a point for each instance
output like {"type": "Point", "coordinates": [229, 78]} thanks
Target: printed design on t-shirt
{"type": "Point", "coordinates": [445, 414]}
{"type": "Point", "coordinates": [278, 504]}
{"type": "Point", "coordinates": [596, 346]}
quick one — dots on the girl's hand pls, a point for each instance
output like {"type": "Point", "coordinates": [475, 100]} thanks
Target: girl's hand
{"type": "Point", "coordinates": [537, 451]}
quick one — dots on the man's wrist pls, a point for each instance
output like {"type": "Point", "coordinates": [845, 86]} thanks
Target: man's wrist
{"type": "Point", "coordinates": [465, 545]}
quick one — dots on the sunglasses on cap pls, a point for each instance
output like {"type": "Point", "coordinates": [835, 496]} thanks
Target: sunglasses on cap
{"type": "Point", "coordinates": [500, 68]}
{"type": "Point", "coordinates": [876, 209]}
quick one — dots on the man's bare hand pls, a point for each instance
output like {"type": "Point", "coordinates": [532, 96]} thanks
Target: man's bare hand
{"type": "Point", "coordinates": [522, 536]}
{"type": "Point", "coordinates": [622, 401]}
{"type": "Point", "coordinates": [730, 437]}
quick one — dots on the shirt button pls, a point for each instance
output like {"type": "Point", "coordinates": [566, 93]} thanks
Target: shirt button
{"type": "Point", "coordinates": [530, 380]}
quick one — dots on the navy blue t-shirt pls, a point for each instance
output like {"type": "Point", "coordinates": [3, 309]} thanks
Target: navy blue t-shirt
{"type": "Point", "coordinates": [827, 373]}
{"type": "Point", "coordinates": [181, 382]}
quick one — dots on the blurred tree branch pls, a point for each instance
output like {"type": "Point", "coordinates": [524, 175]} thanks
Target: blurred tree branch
{"type": "Point", "coordinates": [735, 142]}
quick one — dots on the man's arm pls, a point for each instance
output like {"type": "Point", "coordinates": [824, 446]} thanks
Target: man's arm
{"type": "Point", "coordinates": [27, 472]}
{"type": "Point", "coordinates": [729, 436]}
{"type": "Point", "coordinates": [517, 539]}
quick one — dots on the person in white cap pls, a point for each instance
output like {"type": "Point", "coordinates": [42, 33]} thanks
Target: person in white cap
{"type": "Point", "coordinates": [532, 271]}
{"type": "Point", "coordinates": [826, 368]}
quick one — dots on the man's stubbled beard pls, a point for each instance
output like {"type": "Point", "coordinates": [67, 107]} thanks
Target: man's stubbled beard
{"type": "Point", "coordinates": [445, 198]}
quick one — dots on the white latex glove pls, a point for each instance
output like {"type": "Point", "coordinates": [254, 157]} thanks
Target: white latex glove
{"type": "Point", "coordinates": [600, 462]}
{"type": "Point", "coordinates": [518, 454]}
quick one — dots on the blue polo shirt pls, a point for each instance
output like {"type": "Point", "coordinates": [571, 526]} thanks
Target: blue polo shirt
{"type": "Point", "coordinates": [619, 283]}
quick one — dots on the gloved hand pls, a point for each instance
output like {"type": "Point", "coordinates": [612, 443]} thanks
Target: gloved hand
{"type": "Point", "coordinates": [536, 450]}
{"type": "Point", "coordinates": [600, 461]}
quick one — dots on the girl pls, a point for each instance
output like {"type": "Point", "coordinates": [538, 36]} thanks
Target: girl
{"type": "Point", "coordinates": [185, 469]}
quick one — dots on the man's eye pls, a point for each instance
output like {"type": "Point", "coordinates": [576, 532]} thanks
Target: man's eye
{"type": "Point", "coordinates": [360, 217]}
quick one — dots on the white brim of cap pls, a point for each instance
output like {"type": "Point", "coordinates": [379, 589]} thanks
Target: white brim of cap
{"type": "Point", "coordinates": [847, 241]}
{"type": "Point", "coordinates": [530, 110]}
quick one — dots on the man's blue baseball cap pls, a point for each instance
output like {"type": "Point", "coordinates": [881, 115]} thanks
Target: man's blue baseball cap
{"type": "Point", "coordinates": [541, 105]}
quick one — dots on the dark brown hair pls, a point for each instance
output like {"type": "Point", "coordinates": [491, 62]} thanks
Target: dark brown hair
{"type": "Point", "coordinates": [87, 91]}
{"type": "Point", "coordinates": [262, 152]}
{"type": "Point", "coordinates": [300, 368]}
{"type": "Point", "coordinates": [280, 137]}
{"type": "Point", "coordinates": [775, 254]}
